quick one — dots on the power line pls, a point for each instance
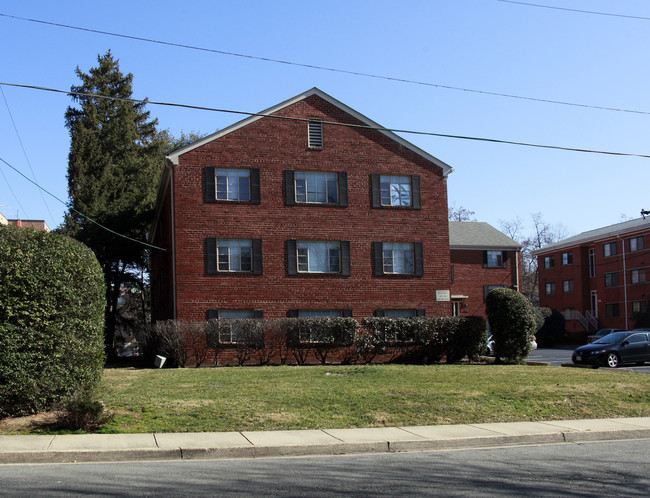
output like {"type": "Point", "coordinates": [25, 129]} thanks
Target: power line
{"type": "Point", "coordinates": [325, 68]}
{"type": "Point", "coordinates": [392, 130]}
{"type": "Point", "coordinates": [576, 10]}
{"type": "Point", "coordinates": [79, 212]}
{"type": "Point", "coordinates": [24, 151]}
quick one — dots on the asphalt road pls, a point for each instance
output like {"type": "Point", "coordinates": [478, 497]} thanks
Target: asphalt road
{"type": "Point", "coordinates": [562, 354]}
{"type": "Point", "coordinates": [587, 469]}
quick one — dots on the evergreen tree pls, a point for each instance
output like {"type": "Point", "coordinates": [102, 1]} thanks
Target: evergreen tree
{"type": "Point", "coordinates": [114, 167]}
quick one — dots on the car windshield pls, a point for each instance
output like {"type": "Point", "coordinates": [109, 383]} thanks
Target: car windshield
{"type": "Point", "coordinates": [612, 338]}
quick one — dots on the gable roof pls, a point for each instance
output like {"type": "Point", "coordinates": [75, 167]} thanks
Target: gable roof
{"type": "Point", "coordinates": [599, 233]}
{"type": "Point", "coordinates": [479, 235]}
{"type": "Point", "coordinates": [173, 157]}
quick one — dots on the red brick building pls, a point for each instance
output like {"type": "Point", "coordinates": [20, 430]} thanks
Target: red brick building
{"type": "Point", "coordinates": [598, 278]}
{"type": "Point", "coordinates": [302, 210]}
{"type": "Point", "coordinates": [482, 258]}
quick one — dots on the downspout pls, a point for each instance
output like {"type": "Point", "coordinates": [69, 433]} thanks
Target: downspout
{"type": "Point", "coordinates": [624, 281]}
{"type": "Point", "coordinates": [173, 222]}
{"type": "Point", "coordinates": [517, 253]}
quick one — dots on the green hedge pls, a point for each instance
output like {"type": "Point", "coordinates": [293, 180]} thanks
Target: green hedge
{"type": "Point", "coordinates": [51, 319]}
{"type": "Point", "coordinates": [512, 323]}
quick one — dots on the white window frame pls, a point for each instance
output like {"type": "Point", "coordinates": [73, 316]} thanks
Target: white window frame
{"type": "Point", "coordinates": [494, 259]}
{"type": "Point", "coordinates": [636, 244]}
{"type": "Point", "coordinates": [230, 257]}
{"type": "Point", "coordinates": [395, 191]}
{"type": "Point", "coordinates": [637, 276]}
{"type": "Point", "coordinates": [609, 249]}
{"type": "Point", "coordinates": [229, 184]}
{"type": "Point", "coordinates": [311, 253]}
{"type": "Point", "coordinates": [398, 258]}
{"type": "Point", "coordinates": [316, 187]}
{"type": "Point", "coordinates": [234, 329]}
{"type": "Point", "coordinates": [592, 262]}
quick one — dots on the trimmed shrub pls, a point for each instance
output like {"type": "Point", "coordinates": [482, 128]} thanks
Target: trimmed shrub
{"type": "Point", "coordinates": [512, 323]}
{"type": "Point", "coordinates": [82, 412]}
{"type": "Point", "coordinates": [51, 319]}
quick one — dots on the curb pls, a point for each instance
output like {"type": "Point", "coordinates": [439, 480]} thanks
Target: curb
{"type": "Point", "coordinates": [213, 446]}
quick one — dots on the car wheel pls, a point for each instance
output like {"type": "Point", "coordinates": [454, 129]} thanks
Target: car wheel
{"type": "Point", "coordinates": [612, 360]}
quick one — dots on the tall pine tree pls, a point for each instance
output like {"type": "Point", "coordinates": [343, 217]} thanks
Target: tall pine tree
{"type": "Point", "coordinates": [114, 168]}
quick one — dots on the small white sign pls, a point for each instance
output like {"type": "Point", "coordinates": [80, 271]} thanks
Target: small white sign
{"type": "Point", "coordinates": [443, 296]}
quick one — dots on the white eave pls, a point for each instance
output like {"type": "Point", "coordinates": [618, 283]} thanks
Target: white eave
{"type": "Point", "coordinates": [174, 156]}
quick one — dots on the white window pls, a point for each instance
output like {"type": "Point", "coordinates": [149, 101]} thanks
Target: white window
{"type": "Point", "coordinates": [568, 286]}
{"type": "Point", "coordinates": [494, 259]}
{"type": "Point", "coordinates": [234, 254]}
{"type": "Point", "coordinates": [398, 257]}
{"type": "Point", "coordinates": [316, 187]}
{"type": "Point", "coordinates": [609, 249]}
{"type": "Point", "coordinates": [639, 306]}
{"type": "Point", "coordinates": [550, 289]}
{"type": "Point", "coordinates": [636, 244]}
{"type": "Point", "coordinates": [233, 332]}
{"type": "Point", "coordinates": [395, 190]}
{"type": "Point", "coordinates": [611, 279]}
{"type": "Point", "coordinates": [232, 184]}
{"type": "Point", "coordinates": [592, 262]}
{"type": "Point", "coordinates": [549, 262]}
{"type": "Point", "coordinates": [400, 313]}
{"type": "Point", "coordinates": [318, 256]}
{"type": "Point", "coordinates": [638, 276]}
{"type": "Point", "coordinates": [567, 258]}
{"type": "Point", "coordinates": [315, 133]}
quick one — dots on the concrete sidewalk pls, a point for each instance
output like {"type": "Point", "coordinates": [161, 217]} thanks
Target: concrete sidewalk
{"type": "Point", "coordinates": [213, 445]}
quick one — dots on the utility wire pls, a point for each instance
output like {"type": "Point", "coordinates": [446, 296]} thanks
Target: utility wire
{"type": "Point", "coordinates": [25, 152]}
{"type": "Point", "coordinates": [79, 212]}
{"type": "Point", "coordinates": [367, 127]}
{"type": "Point", "coordinates": [325, 68]}
{"type": "Point", "coordinates": [12, 192]}
{"type": "Point", "coordinates": [576, 10]}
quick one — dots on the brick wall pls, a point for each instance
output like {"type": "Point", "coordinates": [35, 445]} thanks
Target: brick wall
{"type": "Point", "coordinates": [471, 276]}
{"type": "Point", "coordinates": [273, 146]}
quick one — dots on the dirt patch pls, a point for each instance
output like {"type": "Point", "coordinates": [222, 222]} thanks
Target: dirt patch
{"type": "Point", "coordinates": [29, 423]}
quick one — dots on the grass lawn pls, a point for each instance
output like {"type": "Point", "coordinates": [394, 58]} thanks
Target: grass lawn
{"type": "Point", "coordinates": [271, 398]}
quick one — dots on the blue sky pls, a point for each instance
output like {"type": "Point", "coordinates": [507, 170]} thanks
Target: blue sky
{"type": "Point", "coordinates": [486, 45]}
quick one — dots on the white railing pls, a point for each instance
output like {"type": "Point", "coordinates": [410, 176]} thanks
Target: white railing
{"type": "Point", "coordinates": [588, 322]}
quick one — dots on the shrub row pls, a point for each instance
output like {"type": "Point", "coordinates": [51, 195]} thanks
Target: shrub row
{"type": "Point", "coordinates": [408, 340]}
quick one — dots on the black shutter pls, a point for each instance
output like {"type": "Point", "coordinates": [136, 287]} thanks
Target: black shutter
{"type": "Point", "coordinates": [378, 258]}
{"type": "Point", "coordinates": [289, 188]}
{"type": "Point", "coordinates": [415, 192]}
{"type": "Point", "coordinates": [485, 258]}
{"type": "Point", "coordinates": [257, 257]}
{"type": "Point", "coordinates": [376, 190]}
{"type": "Point", "coordinates": [420, 312]}
{"type": "Point", "coordinates": [345, 258]}
{"type": "Point", "coordinates": [380, 313]}
{"type": "Point", "coordinates": [504, 258]}
{"type": "Point", "coordinates": [255, 185]}
{"type": "Point", "coordinates": [292, 260]}
{"type": "Point", "coordinates": [343, 188]}
{"type": "Point", "coordinates": [346, 313]}
{"type": "Point", "coordinates": [419, 258]}
{"type": "Point", "coordinates": [211, 255]}
{"type": "Point", "coordinates": [258, 314]}
{"type": "Point", "coordinates": [292, 313]}
{"type": "Point", "coordinates": [210, 189]}
{"type": "Point", "coordinates": [213, 314]}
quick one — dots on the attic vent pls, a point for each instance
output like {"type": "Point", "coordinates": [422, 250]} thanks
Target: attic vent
{"type": "Point", "coordinates": [315, 129]}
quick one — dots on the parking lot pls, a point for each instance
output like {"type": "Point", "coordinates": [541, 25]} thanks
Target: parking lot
{"type": "Point", "coordinates": [562, 354]}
